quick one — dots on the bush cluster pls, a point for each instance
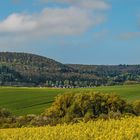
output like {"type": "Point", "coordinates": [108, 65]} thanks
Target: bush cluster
{"type": "Point", "coordinates": [86, 106]}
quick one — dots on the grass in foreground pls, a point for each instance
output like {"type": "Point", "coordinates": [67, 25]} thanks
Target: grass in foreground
{"type": "Point", "coordinates": [125, 129]}
{"type": "Point", "coordinates": [22, 101]}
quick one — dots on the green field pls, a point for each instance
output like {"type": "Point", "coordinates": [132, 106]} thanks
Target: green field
{"type": "Point", "coordinates": [23, 101]}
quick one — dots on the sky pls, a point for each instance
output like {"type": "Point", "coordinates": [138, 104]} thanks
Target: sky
{"type": "Point", "coordinates": [73, 31]}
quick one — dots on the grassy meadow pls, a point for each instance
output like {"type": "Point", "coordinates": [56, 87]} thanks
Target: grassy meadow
{"type": "Point", "coordinates": [22, 101]}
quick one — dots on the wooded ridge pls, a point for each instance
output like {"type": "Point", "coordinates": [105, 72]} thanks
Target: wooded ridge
{"type": "Point", "coordinates": [23, 69]}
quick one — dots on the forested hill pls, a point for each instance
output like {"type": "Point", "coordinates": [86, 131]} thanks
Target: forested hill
{"type": "Point", "coordinates": [22, 69]}
{"type": "Point", "coordinates": [25, 60]}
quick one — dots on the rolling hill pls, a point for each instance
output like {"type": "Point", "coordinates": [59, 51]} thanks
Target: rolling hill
{"type": "Point", "coordinates": [23, 69]}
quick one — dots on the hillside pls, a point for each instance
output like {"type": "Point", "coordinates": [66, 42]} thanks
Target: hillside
{"type": "Point", "coordinates": [22, 69]}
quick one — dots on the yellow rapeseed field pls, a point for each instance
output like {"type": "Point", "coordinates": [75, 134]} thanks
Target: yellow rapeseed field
{"type": "Point", "coordinates": [124, 129]}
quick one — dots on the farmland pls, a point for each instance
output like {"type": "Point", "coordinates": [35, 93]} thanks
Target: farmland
{"type": "Point", "coordinates": [124, 129]}
{"type": "Point", "coordinates": [22, 101]}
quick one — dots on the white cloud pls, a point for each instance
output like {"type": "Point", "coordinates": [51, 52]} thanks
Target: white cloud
{"type": "Point", "coordinates": [77, 18]}
{"type": "Point", "coordinates": [129, 35]}
{"type": "Point", "coordinates": [94, 4]}
{"type": "Point", "coordinates": [66, 21]}
{"type": "Point", "coordinates": [101, 35]}
{"type": "Point", "coordinates": [89, 4]}
{"type": "Point", "coordinates": [17, 23]}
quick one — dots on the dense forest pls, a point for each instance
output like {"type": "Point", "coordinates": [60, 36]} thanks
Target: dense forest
{"type": "Point", "coordinates": [22, 69]}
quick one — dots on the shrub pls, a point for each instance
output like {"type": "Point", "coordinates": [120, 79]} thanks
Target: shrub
{"type": "Point", "coordinates": [136, 107]}
{"type": "Point", "coordinates": [4, 113]}
{"type": "Point", "coordinates": [114, 115]}
{"type": "Point", "coordinates": [24, 120]}
{"type": "Point", "coordinates": [70, 107]}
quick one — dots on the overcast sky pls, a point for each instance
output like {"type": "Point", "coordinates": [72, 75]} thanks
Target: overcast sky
{"type": "Point", "coordinates": [73, 31]}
